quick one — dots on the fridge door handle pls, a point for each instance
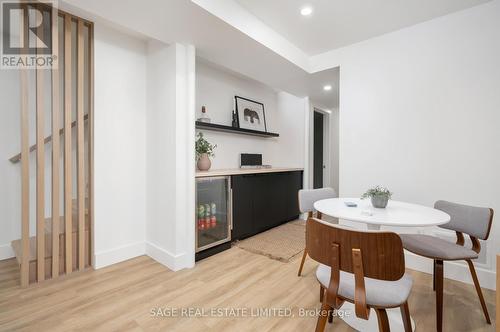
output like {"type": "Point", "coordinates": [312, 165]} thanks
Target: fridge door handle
{"type": "Point", "coordinates": [231, 210]}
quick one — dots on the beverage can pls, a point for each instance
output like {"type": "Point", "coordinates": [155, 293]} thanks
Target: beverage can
{"type": "Point", "coordinates": [213, 207]}
{"type": "Point", "coordinates": [207, 210]}
{"type": "Point", "coordinates": [201, 211]}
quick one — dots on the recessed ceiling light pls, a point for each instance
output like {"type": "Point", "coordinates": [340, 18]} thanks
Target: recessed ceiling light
{"type": "Point", "coordinates": [327, 87]}
{"type": "Point", "coordinates": [306, 11]}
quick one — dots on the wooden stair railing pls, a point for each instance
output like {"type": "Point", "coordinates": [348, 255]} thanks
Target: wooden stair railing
{"type": "Point", "coordinates": [17, 157]}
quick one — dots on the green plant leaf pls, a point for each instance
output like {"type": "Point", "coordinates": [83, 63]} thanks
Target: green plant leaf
{"type": "Point", "coordinates": [203, 146]}
{"type": "Point", "coordinates": [378, 191]}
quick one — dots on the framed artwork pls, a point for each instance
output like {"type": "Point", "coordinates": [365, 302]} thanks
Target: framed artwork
{"type": "Point", "coordinates": [251, 114]}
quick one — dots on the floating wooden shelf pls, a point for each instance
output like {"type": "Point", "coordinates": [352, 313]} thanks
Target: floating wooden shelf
{"type": "Point", "coordinates": [229, 129]}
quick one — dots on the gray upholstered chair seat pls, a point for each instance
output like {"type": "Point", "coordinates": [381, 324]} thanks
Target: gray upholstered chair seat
{"type": "Point", "coordinates": [436, 248]}
{"type": "Point", "coordinates": [378, 292]}
{"type": "Point", "coordinates": [307, 197]}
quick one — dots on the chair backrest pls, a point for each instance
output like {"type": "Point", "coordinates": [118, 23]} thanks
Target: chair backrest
{"type": "Point", "coordinates": [472, 220]}
{"type": "Point", "coordinates": [381, 252]}
{"type": "Point", "coordinates": [307, 197]}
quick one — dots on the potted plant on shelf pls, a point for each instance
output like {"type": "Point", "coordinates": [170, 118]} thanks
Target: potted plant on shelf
{"type": "Point", "coordinates": [379, 196]}
{"type": "Point", "coordinates": [204, 150]}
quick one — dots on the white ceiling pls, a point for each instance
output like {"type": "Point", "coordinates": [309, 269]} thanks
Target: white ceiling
{"type": "Point", "coordinates": [311, 85]}
{"type": "Point", "coordinates": [215, 40]}
{"type": "Point", "coordinates": [337, 23]}
{"type": "Point", "coordinates": [266, 40]}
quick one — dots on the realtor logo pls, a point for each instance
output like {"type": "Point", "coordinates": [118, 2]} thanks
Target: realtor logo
{"type": "Point", "coordinates": [27, 34]}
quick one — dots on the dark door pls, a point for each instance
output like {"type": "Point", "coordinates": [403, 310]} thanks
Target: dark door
{"type": "Point", "coordinates": [318, 151]}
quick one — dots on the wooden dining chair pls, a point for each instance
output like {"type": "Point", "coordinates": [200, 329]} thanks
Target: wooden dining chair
{"type": "Point", "coordinates": [307, 198]}
{"type": "Point", "coordinates": [364, 268]}
{"type": "Point", "coordinates": [471, 220]}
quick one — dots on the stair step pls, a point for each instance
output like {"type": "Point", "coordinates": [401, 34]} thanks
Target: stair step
{"type": "Point", "coordinates": [62, 224]}
{"type": "Point", "coordinates": [74, 204]}
{"type": "Point", "coordinates": [16, 246]}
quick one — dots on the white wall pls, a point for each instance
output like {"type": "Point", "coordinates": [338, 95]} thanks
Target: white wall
{"type": "Point", "coordinates": [419, 113]}
{"type": "Point", "coordinates": [216, 88]}
{"type": "Point", "coordinates": [144, 179]}
{"type": "Point", "coordinates": [120, 140]}
{"type": "Point", "coordinates": [120, 103]}
{"type": "Point", "coordinates": [160, 146]}
{"type": "Point", "coordinates": [10, 174]}
{"type": "Point", "coordinates": [170, 154]}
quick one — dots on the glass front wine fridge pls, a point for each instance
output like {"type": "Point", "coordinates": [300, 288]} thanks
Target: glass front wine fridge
{"type": "Point", "coordinates": [213, 211]}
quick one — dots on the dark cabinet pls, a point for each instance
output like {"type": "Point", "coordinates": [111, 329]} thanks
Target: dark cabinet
{"type": "Point", "coordinates": [262, 201]}
{"type": "Point", "coordinates": [242, 186]}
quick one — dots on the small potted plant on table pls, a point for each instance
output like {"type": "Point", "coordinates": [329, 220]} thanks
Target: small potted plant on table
{"type": "Point", "coordinates": [379, 196]}
{"type": "Point", "coordinates": [204, 150]}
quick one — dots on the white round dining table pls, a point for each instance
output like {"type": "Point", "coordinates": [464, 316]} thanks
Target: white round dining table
{"type": "Point", "coordinates": [396, 214]}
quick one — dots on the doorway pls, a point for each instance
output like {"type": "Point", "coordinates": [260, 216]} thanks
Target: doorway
{"type": "Point", "coordinates": [318, 146]}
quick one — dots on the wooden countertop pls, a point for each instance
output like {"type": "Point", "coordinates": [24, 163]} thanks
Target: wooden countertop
{"type": "Point", "coordinates": [238, 171]}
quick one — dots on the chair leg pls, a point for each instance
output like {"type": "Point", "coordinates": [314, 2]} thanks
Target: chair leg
{"type": "Point", "coordinates": [434, 276]}
{"type": "Point", "coordinates": [302, 262]}
{"type": "Point", "coordinates": [405, 313]}
{"type": "Point", "coordinates": [383, 321]}
{"type": "Point", "coordinates": [439, 276]}
{"type": "Point", "coordinates": [478, 289]}
{"type": "Point", "coordinates": [321, 323]}
{"type": "Point", "coordinates": [321, 293]}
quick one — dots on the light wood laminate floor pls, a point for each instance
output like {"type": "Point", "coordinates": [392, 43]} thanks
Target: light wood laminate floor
{"type": "Point", "coordinates": [120, 297]}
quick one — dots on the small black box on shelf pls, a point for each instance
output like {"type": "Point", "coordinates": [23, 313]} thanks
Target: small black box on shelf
{"type": "Point", "coordinates": [250, 159]}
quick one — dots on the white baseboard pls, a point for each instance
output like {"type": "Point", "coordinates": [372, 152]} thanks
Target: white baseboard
{"type": "Point", "coordinates": [162, 256]}
{"type": "Point", "coordinates": [452, 270]}
{"type": "Point", "coordinates": [6, 251]}
{"type": "Point", "coordinates": [120, 254]}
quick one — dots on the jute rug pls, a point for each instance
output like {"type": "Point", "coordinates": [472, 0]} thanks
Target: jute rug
{"type": "Point", "coordinates": [280, 243]}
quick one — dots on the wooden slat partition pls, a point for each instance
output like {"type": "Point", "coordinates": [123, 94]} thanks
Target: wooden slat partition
{"type": "Point", "coordinates": [40, 170]}
{"type": "Point", "coordinates": [80, 148]}
{"type": "Point", "coordinates": [55, 147]}
{"type": "Point", "coordinates": [78, 245]}
{"type": "Point", "coordinates": [67, 145]}
{"type": "Point", "coordinates": [25, 180]}
{"type": "Point", "coordinates": [91, 141]}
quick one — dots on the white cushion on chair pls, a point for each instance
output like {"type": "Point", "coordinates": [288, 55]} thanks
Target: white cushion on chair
{"type": "Point", "coordinates": [379, 293]}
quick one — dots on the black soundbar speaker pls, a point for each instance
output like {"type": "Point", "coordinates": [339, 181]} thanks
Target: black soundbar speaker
{"type": "Point", "coordinates": [250, 159]}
